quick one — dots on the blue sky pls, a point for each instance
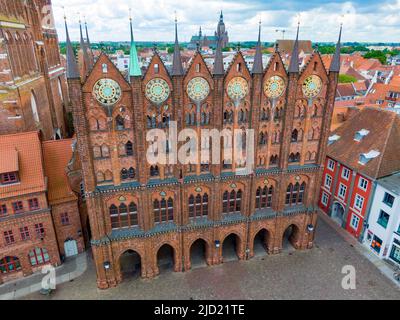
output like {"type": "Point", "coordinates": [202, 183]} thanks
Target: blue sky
{"type": "Point", "coordinates": [364, 20]}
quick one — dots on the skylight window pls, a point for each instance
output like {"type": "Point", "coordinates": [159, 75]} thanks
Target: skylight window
{"type": "Point", "coordinates": [333, 139]}
{"type": "Point", "coordinates": [361, 134]}
{"type": "Point", "coordinates": [366, 157]}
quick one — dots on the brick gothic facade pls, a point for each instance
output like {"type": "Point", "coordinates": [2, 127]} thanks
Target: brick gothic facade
{"type": "Point", "coordinates": [32, 78]}
{"type": "Point", "coordinates": [290, 138]}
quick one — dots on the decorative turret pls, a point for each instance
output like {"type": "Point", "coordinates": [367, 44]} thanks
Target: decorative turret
{"type": "Point", "coordinates": [72, 66]}
{"type": "Point", "coordinates": [177, 69]}
{"type": "Point", "coordinates": [258, 63]}
{"type": "Point", "coordinates": [294, 61]}
{"type": "Point", "coordinates": [219, 61]}
{"type": "Point", "coordinates": [134, 68]}
{"type": "Point", "coordinates": [335, 65]}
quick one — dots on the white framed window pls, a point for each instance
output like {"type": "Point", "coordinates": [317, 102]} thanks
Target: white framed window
{"type": "Point", "coordinates": [328, 181]}
{"type": "Point", "coordinates": [346, 174]}
{"type": "Point", "coordinates": [363, 184]}
{"type": "Point", "coordinates": [331, 165]}
{"type": "Point", "coordinates": [342, 191]}
{"type": "Point", "coordinates": [324, 198]}
{"type": "Point", "coordinates": [354, 222]}
{"type": "Point", "coordinates": [359, 202]}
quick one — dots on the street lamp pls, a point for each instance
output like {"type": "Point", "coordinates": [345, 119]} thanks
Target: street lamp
{"type": "Point", "coordinates": [310, 228]}
{"type": "Point", "coordinates": [217, 244]}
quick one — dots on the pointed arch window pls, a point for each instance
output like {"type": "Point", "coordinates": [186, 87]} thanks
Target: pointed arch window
{"type": "Point", "coordinates": [129, 148]}
{"type": "Point", "coordinates": [295, 135]}
{"type": "Point", "coordinates": [123, 216]}
{"type": "Point", "coordinates": [198, 206]}
{"type": "Point", "coordinates": [232, 201]}
{"type": "Point", "coordinates": [119, 123]}
{"type": "Point", "coordinates": [294, 157]}
{"type": "Point", "coordinates": [163, 210]}
{"type": "Point", "coordinates": [295, 194]}
{"type": "Point", "coordinates": [264, 197]}
{"type": "Point", "coordinates": [154, 171]}
{"type": "Point", "coordinates": [34, 108]}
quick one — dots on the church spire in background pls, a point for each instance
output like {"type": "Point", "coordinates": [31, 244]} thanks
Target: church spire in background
{"type": "Point", "coordinates": [72, 66]}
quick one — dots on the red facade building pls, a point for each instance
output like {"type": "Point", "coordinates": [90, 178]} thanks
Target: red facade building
{"type": "Point", "coordinates": [142, 214]}
{"type": "Point", "coordinates": [39, 217]}
{"type": "Point", "coordinates": [359, 152]}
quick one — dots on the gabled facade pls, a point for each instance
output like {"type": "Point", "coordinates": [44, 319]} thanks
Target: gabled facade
{"type": "Point", "coordinates": [143, 213]}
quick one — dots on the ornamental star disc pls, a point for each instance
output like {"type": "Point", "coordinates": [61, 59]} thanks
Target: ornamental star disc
{"type": "Point", "coordinates": [312, 86]}
{"type": "Point", "coordinates": [157, 90]}
{"type": "Point", "coordinates": [237, 89]}
{"type": "Point", "coordinates": [198, 89]}
{"type": "Point", "coordinates": [107, 92]}
{"type": "Point", "coordinates": [274, 87]}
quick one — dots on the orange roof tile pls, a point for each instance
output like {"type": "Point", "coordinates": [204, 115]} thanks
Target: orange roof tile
{"type": "Point", "coordinates": [57, 154]}
{"type": "Point", "coordinates": [30, 164]}
{"type": "Point", "coordinates": [383, 135]}
{"type": "Point", "coordinates": [9, 160]}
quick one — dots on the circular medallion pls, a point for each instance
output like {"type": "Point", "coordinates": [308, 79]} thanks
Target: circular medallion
{"type": "Point", "coordinates": [157, 90]}
{"type": "Point", "coordinates": [107, 92]}
{"type": "Point", "coordinates": [237, 88]}
{"type": "Point", "coordinates": [274, 87]}
{"type": "Point", "coordinates": [199, 189]}
{"type": "Point", "coordinates": [163, 193]}
{"type": "Point", "coordinates": [233, 185]}
{"type": "Point", "coordinates": [198, 89]}
{"type": "Point", "coordinates": [312, 86]}
{"type": "Point", "coordinates": [266, 181]}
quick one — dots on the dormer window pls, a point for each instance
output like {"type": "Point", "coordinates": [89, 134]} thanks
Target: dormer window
{"type": "Point", "coordinates": [367, 157]}
{"type": "Point", "coordinates": [361, 134]}
{"type": "Point", "coordinates": [9, 178]}
{"type": "Point", "coordinates": [333, 139]}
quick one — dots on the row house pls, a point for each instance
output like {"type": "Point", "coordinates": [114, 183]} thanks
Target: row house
{"type": "Point", "coordinates": [361, 151]}
{"type": "Point", "coordinates": [36, 225]}
{"type": "Point", "coordinates": [382, 235]}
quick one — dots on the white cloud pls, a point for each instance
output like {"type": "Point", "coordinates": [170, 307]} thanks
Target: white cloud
{"type": "Point", "coordinates": [153, 19]}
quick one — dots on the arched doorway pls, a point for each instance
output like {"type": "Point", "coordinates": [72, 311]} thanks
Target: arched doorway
{"type": "Point", "coordinates": [230, 248]}
{"type": "Point", "coordinates": [338, 213]}
{"type": "Point", "coordinates": [130, 264]}
{"type": "Point", "coordinates": [165, 258]}
{"type": "Point", "coordinates": [290, 236]}
{"type": "Point", "coordinates": [261, 241]}
{"type": "Point", "coordinates": [198, 254]}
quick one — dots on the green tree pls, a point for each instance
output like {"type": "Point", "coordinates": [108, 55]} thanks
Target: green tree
{"type": "Point", "coordinates": [376, 54]}
{"type": "Point", "coordinates": [344, 78]}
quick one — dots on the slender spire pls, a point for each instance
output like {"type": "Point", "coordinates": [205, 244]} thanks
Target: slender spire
{"type": "Point", "coordinates": [221, 17]}
{"type": "Point", "coordinates": [134, 68]}
{"type": "Point", "coordinates": [219, 60]}
{"type": "Point", "coordinates": [86, 58]}
{"type": "Point", "coordinates": [177, 69]}
{"type": "Point", "coordinates": [72, 66]}
{"type": "Point", "coordinates": [87, 35]}
{"type": "Point", "coordinates": [294, 61]}
{"type": "Point", "coordinates": [258, 63]}
{"type": "Point", "coordinates": [335, 65]}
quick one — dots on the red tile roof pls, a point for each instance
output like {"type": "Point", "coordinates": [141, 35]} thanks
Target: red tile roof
{"type": "Point", "coordinates": [383, 136]}
{"type": "Point", "coordinates": [9, 160]}
{"type": "Point", "coordinates": [30, 164]}
{"type": "Point", "coordinates": [57, 154]}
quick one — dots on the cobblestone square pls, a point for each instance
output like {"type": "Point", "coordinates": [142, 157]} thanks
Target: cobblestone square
{"type": "Point", "coordinates": [313, 274]}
